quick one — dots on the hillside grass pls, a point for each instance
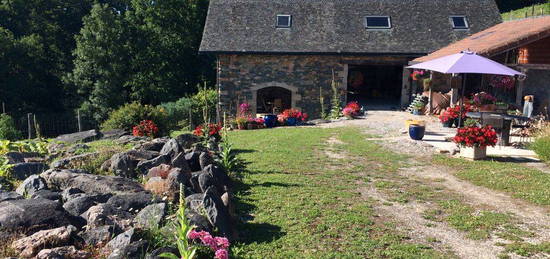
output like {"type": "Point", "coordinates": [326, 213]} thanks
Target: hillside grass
{"type": "Point", "coordinates": [527, 12]}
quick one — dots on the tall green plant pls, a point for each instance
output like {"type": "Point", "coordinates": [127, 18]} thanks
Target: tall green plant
{"type": "Point", "coordinates": [322, 102]}
{"type": "Point", "coordinates": [185, 249]}
{"type": "Point", "coordinates": [336, 110]}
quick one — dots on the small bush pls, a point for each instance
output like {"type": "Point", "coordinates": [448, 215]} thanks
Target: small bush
{"type": "Point", "coordinates": [541, 145]}
{"type": "Point", "coordinates": [131, 114]}
{"type": "Point", "coordinates": [197, 107]}
{"type": "Point", "coordinates": [7, 128]}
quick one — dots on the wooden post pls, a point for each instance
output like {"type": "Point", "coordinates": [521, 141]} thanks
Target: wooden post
{"type": "Point", "coordinates": [3, 107]}
{"type": "Point", "coordinates": [79, 121]}
{"type": "Point", "coordinates": [29, 125]}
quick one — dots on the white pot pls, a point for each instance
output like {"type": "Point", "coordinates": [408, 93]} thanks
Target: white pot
{"type": "Point", "coordinates": [474, 153]}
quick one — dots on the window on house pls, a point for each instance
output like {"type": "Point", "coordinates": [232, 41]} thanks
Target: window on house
{"type": "Point", "coordinates": [378, 22]}
{"type": "Point", "coordinates": [284, 21]}
{"type": "Point", "coordinates": [459, 22]}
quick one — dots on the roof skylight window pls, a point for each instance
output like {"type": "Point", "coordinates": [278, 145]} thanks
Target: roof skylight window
{"type": "Point", "coordinates": [284, 21]}
{"type": "Point", "coordinates": [459, 22]}
{"type": "Point", "coordinates": [378, 22]}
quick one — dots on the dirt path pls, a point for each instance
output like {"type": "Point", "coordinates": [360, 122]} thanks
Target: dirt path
{"type": "Point", "coordinates": [386, 128]}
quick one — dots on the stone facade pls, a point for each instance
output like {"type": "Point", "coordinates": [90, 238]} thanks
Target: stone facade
{"type": "Point", "coordinates": [538, 84]}
{"type": "Point", "coordinates": [241, 76]}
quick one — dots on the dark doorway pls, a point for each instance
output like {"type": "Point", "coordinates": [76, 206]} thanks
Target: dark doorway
{"type": "Point", "coordinates": [375, 85]}
{"type": "Point", "coordinates": [273, 100]}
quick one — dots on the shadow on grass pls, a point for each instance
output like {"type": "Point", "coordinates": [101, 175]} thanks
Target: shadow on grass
{"type": "Point", "coordinates": [518, 160]}
{"type": "Point", "coordinates": [243, 151]}
{"type": "Point", "coordinates": [259, 233]}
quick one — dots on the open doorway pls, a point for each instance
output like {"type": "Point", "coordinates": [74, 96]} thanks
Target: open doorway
{"type": "Point", "coordinates": [375, 86]}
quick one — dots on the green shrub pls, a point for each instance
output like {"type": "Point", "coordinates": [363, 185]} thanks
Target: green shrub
{"type": "Point", "coordinates": [541, 146]}
{"type": "Point", "coordinates": [131, 114]}
{"type": "Point", "coordinates": [198, 106]}
{"type": "Point", "coordinates": [7, 128]}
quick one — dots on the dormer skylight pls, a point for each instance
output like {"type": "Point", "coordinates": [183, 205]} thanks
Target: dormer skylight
{"type": "Point", "coordinates": [459, 22]}
{"type": "Point", "coordinates": [284, 20]}
{"type": "Point", "coordinates": [378, 22]}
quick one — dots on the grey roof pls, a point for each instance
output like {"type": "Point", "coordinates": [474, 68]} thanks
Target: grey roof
{"type": "Point", "coordinates": [337, 26]}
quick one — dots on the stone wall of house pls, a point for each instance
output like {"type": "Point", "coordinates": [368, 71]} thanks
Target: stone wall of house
{"type": "Point", "coordinates": [306, 76]}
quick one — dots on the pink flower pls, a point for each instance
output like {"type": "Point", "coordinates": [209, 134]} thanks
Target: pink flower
{"type": "Point", "coordinates": [209, 241]}
{"type": "Point", "coordinates": [222, 242]}
{"type": "Point", "coordinates": [221, 254]}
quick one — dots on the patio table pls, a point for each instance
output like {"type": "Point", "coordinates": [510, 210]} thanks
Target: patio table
{"type": "Point", "coordinates": [500, 121]}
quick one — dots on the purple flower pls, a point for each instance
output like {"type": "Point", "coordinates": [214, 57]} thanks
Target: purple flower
{"type": "Point", "coordinates": [222, 242]}
{"type": "Point", "coordinates": [221, 254]}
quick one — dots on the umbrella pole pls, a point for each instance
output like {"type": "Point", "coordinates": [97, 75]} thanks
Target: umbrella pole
{"type": "Point", "coordinates": [462, 100]}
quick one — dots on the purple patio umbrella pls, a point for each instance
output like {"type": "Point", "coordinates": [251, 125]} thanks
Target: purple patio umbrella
{"type": "Point", "coordinates": [466, 62]}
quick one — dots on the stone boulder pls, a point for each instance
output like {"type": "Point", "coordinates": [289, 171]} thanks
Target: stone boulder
{"type": "Point", "coordinates": [154, 145]}
{"type": "Point", "coordinates": [31, 245]}
{"type": "Point", "coordinates": [23, 170]}
{"type": "Point", "coordinates": [180, 162]}
{"type": "Point", "coordinates": [20, 157]}
{"type": "Point", "coordinates": [83, 136]}
{"type": "Point", "coordinates": [205, 160]}
{"type": "Point", "coordinates": [133, 250]}
{"type": "Point", "coordinates": [171, 148]}
{"type": "Point", "coordinates": [89, 183]}
{"type": "Point", "coordinates": [31, 185]}
{"type": "Point", "coordinates": [142, 154]}
{"type": "Point", "coordinates": [127, 139]}
{"type": "Point", "coordinates": [8, 196]}
{"type": "Point", "coordinates": [81, 204]}
{"type": "Point", "coordinates": [113, 134]}
{"type": "Point", "coordinates": [106, 215]}
{"type": "Point", "coordinates": [144, 165]}
{"type": "Point", "coordinates": [70, 193]}
{"type": "Point", "coordinates": [33, 214]}
{"type": "Point", "coordinates": [187, 140]}
{"type": "Point", "coordinates": [132, 202]}
{"type": "Point", "coordinates": [123, 164]}
{"type": "Point", "coordinates": [98, 236]}
{"type": "Point", "coordinates": [220, 175]}
{"type": "Point", "coordinates": [151, 216]}
{"type": "Point", "coordinates": [120, 241]}
{"type": "Point", "coordinates": [217, 213]}
{"type": "Point", "coordinates": [46, 194]}
{"type": "Point", "coordinates": [193, 159]}
{"type": "Point", "coordinates": [73, 161]}
{"type": "Point", "coordinates": [62, 253]}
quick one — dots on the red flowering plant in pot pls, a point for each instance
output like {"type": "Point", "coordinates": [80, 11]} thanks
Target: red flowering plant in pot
{"type": "Point", "coordinates": [291, 117]}
{"type": "Point", "coordinates": [419, 75]}
{"type": "Point", "coordinates": [351, 110]}
{"type": "Point", "coordinates": [451, 115]}
{"type": "Point", "coordinates": [145, 128]}
{"type": "Point", "coordinates": [474, 140]}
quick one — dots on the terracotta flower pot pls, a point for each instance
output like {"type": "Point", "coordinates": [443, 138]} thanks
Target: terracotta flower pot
{"type": "Point", "coordinates": [474, 153]}
{"type": "Point", "coordinates": [487, 108]}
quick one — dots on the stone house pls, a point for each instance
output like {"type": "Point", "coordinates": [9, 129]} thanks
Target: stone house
{"type": "Point", "coordinates": [523, 45]}
{"type": "Point", "coordinates": [278, 54]}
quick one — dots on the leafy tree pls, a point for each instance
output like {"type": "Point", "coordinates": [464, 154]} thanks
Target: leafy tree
{"type": "Point", "coordinates": [101, 62]}
{"type": "Point", "coordinates": [148, 53]}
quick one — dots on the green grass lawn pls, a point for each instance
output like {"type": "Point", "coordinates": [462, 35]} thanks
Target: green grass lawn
{"type": "Point", "coordinates": [521, 182]}
{"type": "Point", "coordinates": [297, 204]}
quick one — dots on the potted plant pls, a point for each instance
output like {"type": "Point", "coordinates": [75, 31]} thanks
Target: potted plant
{"type": "Point", "coordinates": [241, 122]}
{"type": "Point", "coordinates": [417, 108]}
{"type": "Point", "coordinates": [352, 110]}
{"type": "Point", "coordinates": [292, 117]}
{"type": "Point", "coordinates": [473, 141]}
{"type": "Point", "coordinates": [270, 120]}
{"type": "Point", "coordinates": [501, 107]}
{"type": "Point", "coordinates": [447, 118]}
{"type": "Point", "coordinates": [485, 102]}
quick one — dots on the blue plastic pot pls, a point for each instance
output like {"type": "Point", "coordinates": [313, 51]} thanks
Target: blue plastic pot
{"type": "Point", "coordinates": [270, 120]}
{"type": "Point", "coordinates": [291, 121]}
{"type": "Point", "coordinates": [417, 132]}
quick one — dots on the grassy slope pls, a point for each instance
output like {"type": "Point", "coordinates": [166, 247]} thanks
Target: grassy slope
{"type": "Point", "coordinates": [520, 13]}
{"type": "Point", "coordinates": [301, 208]}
